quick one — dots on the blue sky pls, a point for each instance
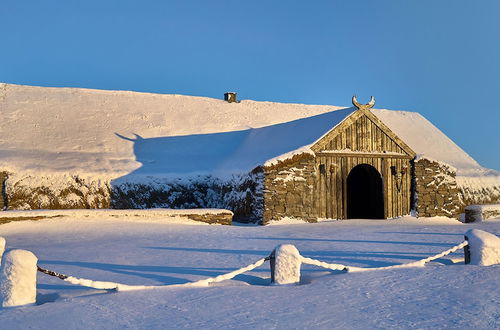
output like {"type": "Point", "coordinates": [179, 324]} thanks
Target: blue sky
{"type": "Point", "coordinates": [439, 58]}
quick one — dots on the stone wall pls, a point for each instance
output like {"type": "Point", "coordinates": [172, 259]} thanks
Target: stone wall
{"type": "Point", "coordinates": [222, 218]}
{"type": "Point", "coordinates": [289, 189]}
{"type": "Point", "coordinates": [242, 194]}
{"type": "Point", "coordinates": [56, 191]}
{"type": "Point", "coordinates": [436, 192]}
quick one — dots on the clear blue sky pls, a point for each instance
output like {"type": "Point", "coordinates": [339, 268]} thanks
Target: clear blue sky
{"type": "Point", "coordinates": [439, 58]}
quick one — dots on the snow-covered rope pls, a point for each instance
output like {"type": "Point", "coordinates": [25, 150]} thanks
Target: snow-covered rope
{"type": "Point", "coordinates": [205, 282]}
{"type": "Point", "coordinates": [419, 263]}
{"type": "Point", "coordinates": [445, 253]}
{"type": "Point", "coordinates": [101, 285]}
{"type": "Point", "coordinates": [227, 276]}
{"type": "Point", "coordinates": [318, 263]}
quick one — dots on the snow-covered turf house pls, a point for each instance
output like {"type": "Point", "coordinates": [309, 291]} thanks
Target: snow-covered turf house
{"type": "Point", "coordinates": [80, 148]}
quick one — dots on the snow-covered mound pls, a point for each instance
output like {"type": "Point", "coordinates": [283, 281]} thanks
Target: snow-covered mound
{"type": "Point", "coordinates": [72, 130]}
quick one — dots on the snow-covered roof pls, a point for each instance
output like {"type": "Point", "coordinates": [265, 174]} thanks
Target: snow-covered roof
{"type": "Point", "coordinates": [116, 133]}
{"type": "Point", "coordinates": [428, 141]}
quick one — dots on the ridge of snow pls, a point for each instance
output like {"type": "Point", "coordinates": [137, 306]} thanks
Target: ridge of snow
{"type": "Point", "coordinates": [112, 134]}
{"type": "Point", "coordinates": [302, 150]}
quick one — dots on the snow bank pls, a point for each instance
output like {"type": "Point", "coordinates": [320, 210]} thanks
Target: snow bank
{"type": "Point", "coordinates": [484, 247]}
{"type": "Point", "coordinates": [287, 221]}
{"type": "Point", "coordinates": [287, 261]}
{"type": "Point", "coordinates": [18, 278]}
{"type": "Point", "coordinates": [184, 216]}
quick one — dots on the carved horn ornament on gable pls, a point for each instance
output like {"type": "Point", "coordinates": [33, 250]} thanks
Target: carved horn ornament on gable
{"type": "Point", "coordinates": [360, 106]}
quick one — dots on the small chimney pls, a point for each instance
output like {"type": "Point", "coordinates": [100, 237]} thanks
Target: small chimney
{"type": "Point", "coordinates": [230, 97]}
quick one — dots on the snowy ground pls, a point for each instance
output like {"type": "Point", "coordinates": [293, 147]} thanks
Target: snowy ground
{"type": "Point", "coordinates": [138, 250]}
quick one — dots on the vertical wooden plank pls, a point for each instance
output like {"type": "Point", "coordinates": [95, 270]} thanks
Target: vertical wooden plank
{"type": "Point", "coordinates": [319, 188]}
{"type": "Point", "coordinates": [344, 187]}
{"type": "Point", "coordinates": [354, 136]}
{"type": "Point", "coordinates": [333, 187]}
{"type": "Point", "coordinates": [348, 138]}
{"type": "Point", "coordinates": [316, 192]}
{"type": "Point", "coordinates": [405, 192]}
{"type": "Point", "coordinates": [328, 196]}
{"type": "Point", "coordinates": [379, 140]}
{"type": "Point", "coordinates": [369, 134]}
{"type": "Point", "coordinates": [408, 185]}
{"type": "Point", "coordinates": [333, 182]}
{"type": "Point", "coordinates": [403, 189]}
{"type": "Point", "coordinates": [384, 176]}
{"type": "Point", "coordinates": [393, 197]}
{"type": "Point", "coordinates": [323, 192]}
{"type": "Point", "coordinates": [355, 133]}
{"type": "Point", "coordinates": [350, 164]}
{"type": "Point", "coordinates": [361, 139]}
{"type": "Point", "coordinates": [384, 148]}
{"type": "Point", "coordinates": [365, 140]}
{"type": "Point", "coordinates": [338, 189]}
{"type": "Point", "coordinates": [344, 139]}
{"type": "Point", "coordinates": [389, 188]}
{"type": "Point", "coordinates": [396, 191]}
{"type": "Point", "coordinates": [400, 195]}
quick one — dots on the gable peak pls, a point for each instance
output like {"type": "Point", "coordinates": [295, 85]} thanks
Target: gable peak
{"type": "Point", "coordinates": [360, 106]}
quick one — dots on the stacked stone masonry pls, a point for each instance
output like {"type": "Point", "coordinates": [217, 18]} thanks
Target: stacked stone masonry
{"type": "Point", "coordinates": [289, 191]}
{"type": "Point", "coordinates": [436, 190]}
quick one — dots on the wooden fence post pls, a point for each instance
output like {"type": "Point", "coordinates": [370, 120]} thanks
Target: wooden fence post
{"type": "Point", "coordinates": [467, 251]}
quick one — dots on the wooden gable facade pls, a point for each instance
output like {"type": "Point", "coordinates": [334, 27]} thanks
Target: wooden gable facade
{"type": "Point", "coordinates": [362, 145]}
{"type": "Point", "coordinates": [358, 169]}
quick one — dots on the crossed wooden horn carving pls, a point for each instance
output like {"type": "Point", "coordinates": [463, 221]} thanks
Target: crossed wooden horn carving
{"type": "Point", "coordinates": [360, 106]}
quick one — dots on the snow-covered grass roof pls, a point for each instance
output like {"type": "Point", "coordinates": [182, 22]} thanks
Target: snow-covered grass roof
{"type": "Point", "coordinates": [428, 141]}
{"type": "Point", "coordinates": [115, 133]}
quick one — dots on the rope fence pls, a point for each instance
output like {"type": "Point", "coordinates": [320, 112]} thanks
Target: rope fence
{"type": "Point", "coordinates": [19, 268]}
{"type": "Point", "coordinates": [418, 263]}
{"type": "Point", "coordinates": [102, 285]}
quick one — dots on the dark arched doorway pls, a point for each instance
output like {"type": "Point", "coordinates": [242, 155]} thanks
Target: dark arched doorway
{"type": "Point", "coordinates": [365, 197]}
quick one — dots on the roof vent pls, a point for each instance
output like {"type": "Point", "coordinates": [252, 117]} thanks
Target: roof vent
{"type": "Point", "coordinates": [230, 97]}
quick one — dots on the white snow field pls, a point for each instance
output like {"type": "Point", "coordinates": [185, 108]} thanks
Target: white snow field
{"type": "Point", "coordinates": [445, 294]}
